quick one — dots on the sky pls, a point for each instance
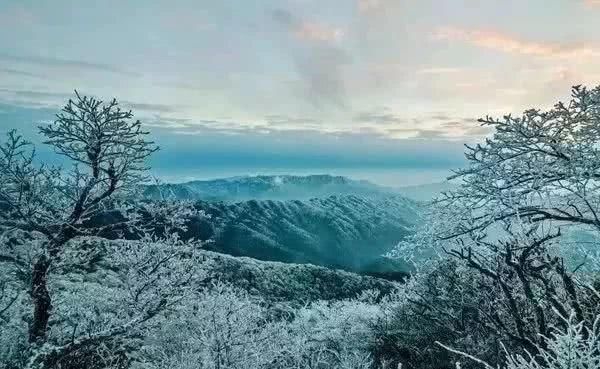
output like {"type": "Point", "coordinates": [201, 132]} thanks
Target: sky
{"type": "Point", "coordinates": [345, 86]}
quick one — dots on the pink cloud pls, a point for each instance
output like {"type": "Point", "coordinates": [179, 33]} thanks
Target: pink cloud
{"type": "Point", "coordinates": [592, 2]}
{"type": "Point", "coordinates": [318, 32]}
{"type": "Point", "coordinates": [509, 44]}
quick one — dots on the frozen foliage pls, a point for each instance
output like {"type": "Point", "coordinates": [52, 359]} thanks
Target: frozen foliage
{"type": "Point", "coordinates": [499, 235]}
{"type": "Point", "coordinates": [212, 326]}
{"type": "Point", "coordinates": [226, 328]}
{"type": "Point", "coordinates": [13, 337]}
{"type": "Point", "coordinates": [115, 294]}
{"type": "Point", "coordinates": [222, 328]}
{"type": "Point", "coordinates": [542, 165]}
{"type": "Point", "coordinates": [574, 347]}
{"type": "Point", "coordinates": [137, 281]}
{"type": "Point", "coordinates": [293, 284]}
{"type": "Point", "coordinates": [47, 213]}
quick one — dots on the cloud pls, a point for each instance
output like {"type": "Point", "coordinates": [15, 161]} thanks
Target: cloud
{"type": "Point", "coordinates": [65, 63]}
{"type": "Point", "coordinates": [307, 30]}
{"type": "Point", "coordinates": [159, 108]}
{"type": "Point", "coordinates": [34, 95]}
{"type": "Point", "coordinates": [431, 134]}
{"type": "Point", "coordinates": [431, 126]}
{"type": "Point", "coordinates": [368, 5]}
{"type": "Point", "coordinates": [509, 44]}
{"type": "Point", "coordinates": [318, 57]}
{"type": "Point", "coordinates": [198, 144]}
{"type": "Point", "coordinates": [378, 116]}
{"type": "Point", "coordinates": [438, 133]}
{"type": "Point", "coordinates": [592, 2]}
{"type": "Point", "coordinates": [434, 126]}
{"type": "Point", "coordinates": [280, 120]}
{"type": "Point", "coordinates": [479, 131]}
{"type": "Point", "coordinates": [21, 73]}
{"type": "Point", "coordinates": [464, 128]}
{"type": "Point", "coordinates": [318, 32]}
{"type": "Point", "coordinates": [380, 122]}
{"type": "Point", "coordinates": [206, 144]}
{"type": "Point", "coordinates": [439, 70]}
{"type": "Point", "coordinates": [418, 133]}
{"type": "Point", "coordinates": [321, 69]}
{"type": "Point", "coordinates": [168, 123]}
{"type": "Point", "coordinates": [30, 98]}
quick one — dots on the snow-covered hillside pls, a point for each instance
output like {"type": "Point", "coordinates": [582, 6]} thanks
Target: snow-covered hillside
{"type": "Point", "coordinates": [349, 231]}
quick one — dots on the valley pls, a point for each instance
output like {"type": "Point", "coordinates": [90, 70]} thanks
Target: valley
{"type": "Point", "coordinates": [322, 220]}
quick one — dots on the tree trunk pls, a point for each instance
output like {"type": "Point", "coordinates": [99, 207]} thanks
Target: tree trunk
{"type": "Point", "coordinates": [42, 303]}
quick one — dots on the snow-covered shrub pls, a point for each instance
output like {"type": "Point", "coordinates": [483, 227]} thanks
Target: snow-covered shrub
{"type": "Point", "coordinates": [135, 282]}
{"type": "Point", "coordinates": [13, 300]}
{"type": "Point", "coordinates": [576, 346]}
{"type": "Point", "coordinates": [227, 328]}
{"type": "Point", "coordinates": [13, 329]}
{"type": "Point", "coordinates": [100, 314]}
{"type": "Point", "coordinates": [340, 325]}
{"type": "Point", "coordinates": [336, 334]}
{"type": "Point", "coordinates": [439, 303]}
{"type": "Point", "coordinates": [222, 327]}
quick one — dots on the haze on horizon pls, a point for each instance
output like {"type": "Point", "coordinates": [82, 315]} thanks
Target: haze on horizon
{"type": "Point", "coordinates": [299, 86]}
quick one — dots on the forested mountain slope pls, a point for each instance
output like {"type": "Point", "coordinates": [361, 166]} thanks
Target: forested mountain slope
{"type": "Point", "coordinates": [349, 232]}
{"type": "Point", "coordinates": [294, 283]}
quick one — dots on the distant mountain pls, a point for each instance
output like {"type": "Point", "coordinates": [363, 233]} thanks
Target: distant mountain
{"type": "Point", "coordinates": [349, 232]}
{"type": "Point", "coordinates": [285, 187]}
{"type": "Point", "coordinates": [324, 220]}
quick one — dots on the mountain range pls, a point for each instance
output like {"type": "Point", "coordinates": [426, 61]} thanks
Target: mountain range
{"type": "Point", "coordinates": [322, 220]}
{"type": "Point", "coordinates": [288, 187]}
{"type": "Point", "coordinates": [284, 187]}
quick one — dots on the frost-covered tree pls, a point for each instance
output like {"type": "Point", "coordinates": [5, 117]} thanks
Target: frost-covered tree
{"type": "Point", "coordinates": [527, 278]}
{"type": "Point", "coordinates": [542, 165]}
{"type": "Point", "coordinates": [47, 212]}
{"type": "Point", "coordinates": [533, 178]}
{"type": "Point", "coordinates": [223, 327]}
{"type": "Point", "coordinates": [537, 175]}
{"type": "Point", "coordinates": [505, 286]}
{"type": "Point", "coordinates": [574, 347]}
{"type": "Point", "coordinates": [226, 328]}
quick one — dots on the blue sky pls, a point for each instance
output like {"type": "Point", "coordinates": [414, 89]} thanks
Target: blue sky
{"type": "Point", "coordinates": [298, 83]}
